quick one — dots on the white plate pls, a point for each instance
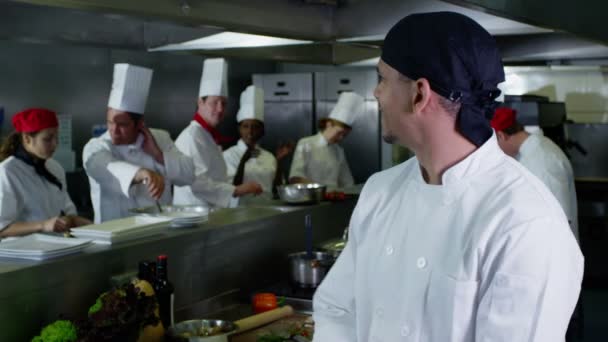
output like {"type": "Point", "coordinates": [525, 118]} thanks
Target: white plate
{"type": "Point", "coordinates": [118, 227]}
{"type": "Point", "coordinates": [41, 244]}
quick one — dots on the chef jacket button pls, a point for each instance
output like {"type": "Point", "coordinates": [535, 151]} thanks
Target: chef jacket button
{"type": "Point", "coordinates": [421, 262]}
{"type": "Point", "coordinates": [379, 312]}
{"type": "Point", "coordinates": [405, 331]}
{"type": "Point", "coordinates": [389, 250]}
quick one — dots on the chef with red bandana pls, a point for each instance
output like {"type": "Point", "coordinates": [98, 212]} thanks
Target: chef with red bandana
{"type": "Point", "coordinates": [33, 191]}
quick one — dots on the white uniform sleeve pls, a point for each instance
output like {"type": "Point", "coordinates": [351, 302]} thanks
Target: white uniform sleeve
{"type": "Point", "coordinates": [334, 300]}
{"type": "Point", "coordinates": [179, 168]}
{"type": "Point", "coordinates": [230, 157]}
{"type": "Point", "coordinates": [9, 206]}
{"type": "Point", "coordinates": [298, 164]}
{"type": "Point", "coordinates": [345, 178]}
{"type": "Point", "coordinates": [532, 284]}
{"type": "Point", "coordinates": [101, 165]}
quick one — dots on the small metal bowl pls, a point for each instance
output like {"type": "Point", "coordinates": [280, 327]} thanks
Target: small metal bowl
{"type": "Point", "coordinates": [302, 193]}
{"type": "Point", "coordinates": [194, 330]}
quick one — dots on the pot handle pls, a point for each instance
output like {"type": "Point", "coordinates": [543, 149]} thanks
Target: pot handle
{"type": "Point", "coordinates": [263, 318]}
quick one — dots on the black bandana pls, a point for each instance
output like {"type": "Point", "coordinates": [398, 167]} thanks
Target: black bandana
{"type": "Point", "coordinates": [458, 57]}
{"type": "Point", "coordinates": [38, 165]}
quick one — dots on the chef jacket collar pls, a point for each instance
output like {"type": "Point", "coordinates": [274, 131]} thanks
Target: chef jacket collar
{"type": "Point", "coordinates": [242, 147]}
{"type": "Point", "coordinates": [483, 158]}
{"type": "Point", "coordinates": [321, 141]}
{"type": "Point", "coordinates": [215, 133]}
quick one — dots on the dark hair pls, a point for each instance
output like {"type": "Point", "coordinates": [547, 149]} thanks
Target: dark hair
{"type": "Point", "coordinates": [11, 143]}
{"type": "Point", "coordinates": [453, 108]}
{"type": "Point", "coordinates": [513, 129]}
{"type": "Point", "coordinates": [322, 124]}
{"type": "Point", "coordinates": [135, 116]}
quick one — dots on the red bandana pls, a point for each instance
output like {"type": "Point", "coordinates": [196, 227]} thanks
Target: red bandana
{"type": "Point", "coordinates": [34, 120]}
{"type": "Point", "coordinates": [503, 118]}
{"type": "Point", "coordinates": [217, 136]}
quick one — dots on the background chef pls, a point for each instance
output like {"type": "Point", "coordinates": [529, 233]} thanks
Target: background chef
{"type": "Point", "coordinates": [541, 156]}
{"type": "Point", "coordinates": [201, 141]}
{"type": "Point", "coordinates": [33, 191]}
{"type": "Point", "coordinates": [130, 165]}
{"type": "Point", "coordinates": [320, 158]}
{"type": "Point", "coordinates": [247, 161]}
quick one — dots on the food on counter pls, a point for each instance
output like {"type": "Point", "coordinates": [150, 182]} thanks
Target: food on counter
{"type": "Point", "coordinates": [263, 302]}
{"type": "Point", "coordinates": [125, 313]}
{"type": "Point", "coordinates": [58, 331]}
{"type": "Point", "coordinates": [291, 331]}
{"type": "Point", "coordinates": [203, 332]}
{"type": "Point", "coordinates": [334, 196]}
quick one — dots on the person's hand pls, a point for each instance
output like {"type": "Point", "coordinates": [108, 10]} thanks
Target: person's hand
{"type": "Point", "coordinates": [283, 150]}
{"type": "Point", "coordinates": [150, 146]}
{"type": "Point", "coordinates": [58, 224]}
{"type": "Point", "coordinates": [78, 221]}
{"type": "Point", "coordinates": [153, 180]}
{"type": "Point", "coordinates": [247, 188]}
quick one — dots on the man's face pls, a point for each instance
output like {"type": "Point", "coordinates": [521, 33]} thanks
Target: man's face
{"type": "Point", "coordinates": [212, 109]}
{"type": "Point", "coordinates": [507, 144]}
{"type": "Point", "coordinates": [395, 98]}
{"type": "Point", "coordinates": [122, 128]}
{"type": "Point", "coordinates": [251, 131]}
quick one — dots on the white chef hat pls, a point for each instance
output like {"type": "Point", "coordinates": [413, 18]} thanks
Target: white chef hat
{"type": "Point", "coordinates": [252, 104]}
{"type": "Point", "coordinates": [347, 109]}
{"type": "Point", "coordinates": [214, 81]}
{"type": "Point", "coordinates": [130, 88]}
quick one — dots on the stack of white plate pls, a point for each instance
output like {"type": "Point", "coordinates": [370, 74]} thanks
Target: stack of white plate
{"type": "Point", "coordinates": [180, 215]}
{"type": "Point", "coordinates": [184, 219]}
{"type": "Point", "coordinates": [120, 230]}
{"type": "Point", "coordinates": [41, 247]}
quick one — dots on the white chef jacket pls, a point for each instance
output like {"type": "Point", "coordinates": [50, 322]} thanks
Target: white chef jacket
{"type": "Point", "coordinates": [547, 161]}
{"type": "Point", "coordinates": [486, 256]}
{"type": "Point", "coordinates": [211, 187]}
{"type": "Point", "coordinates": [111, 169]}
{"type": "Point", "coordinates": [260, 169]}
{"type": "Point", "coordinates": [321, 162]}
{"type": "Point", "coordinates": [26, 196]}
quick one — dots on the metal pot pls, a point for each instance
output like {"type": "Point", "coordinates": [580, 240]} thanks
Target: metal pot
{"type": "Point", "coordinates": [192, 330]}
{"type": "Point", "coordinates": [306, 272]}
{"type": "Point", "coordinates": [302, 193]}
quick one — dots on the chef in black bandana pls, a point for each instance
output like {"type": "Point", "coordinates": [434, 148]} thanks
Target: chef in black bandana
{"type": "Point", "coordinates": [459, 243]}
{"type": "Point", "coordinates": [33, 193]}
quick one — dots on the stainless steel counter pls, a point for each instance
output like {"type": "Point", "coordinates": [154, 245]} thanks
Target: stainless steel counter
{"type": "Point", "coordinates": [239, 249]}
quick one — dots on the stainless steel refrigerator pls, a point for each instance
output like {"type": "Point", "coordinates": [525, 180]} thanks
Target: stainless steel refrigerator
{"type": "Point", "coordinates": [288, 108]}
{"type": "Point", "coordinates": [364, 149]}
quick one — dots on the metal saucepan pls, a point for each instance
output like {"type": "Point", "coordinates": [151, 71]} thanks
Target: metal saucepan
{"type": "Point", "coordinates": [306, 272]}
{"type": "Point", "coordinates": [302, 193]}
{"type": "Point", "coordinates": [193, 330]}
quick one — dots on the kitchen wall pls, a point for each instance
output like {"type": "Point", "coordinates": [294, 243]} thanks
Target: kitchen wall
{"type": "Point", "coordinates": [76, 80]}
{"type": "Point", "coordinates": [584, 89]}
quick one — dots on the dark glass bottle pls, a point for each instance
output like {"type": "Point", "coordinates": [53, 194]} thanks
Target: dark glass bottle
{"type": "Point", "coordinates": [164, 291]}
{"type": "Point", "coordinates": [147, 271]}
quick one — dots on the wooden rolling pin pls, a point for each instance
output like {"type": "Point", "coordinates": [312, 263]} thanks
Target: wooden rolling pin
{"type": "Point", "coordinates": [263, 318]}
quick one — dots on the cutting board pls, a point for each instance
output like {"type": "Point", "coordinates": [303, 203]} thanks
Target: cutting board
{"type": "Point", "coordinates": [283, 324]}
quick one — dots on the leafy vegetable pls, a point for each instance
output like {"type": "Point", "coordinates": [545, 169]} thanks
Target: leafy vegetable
{"type": "Point", "coordinates": [58, 331]}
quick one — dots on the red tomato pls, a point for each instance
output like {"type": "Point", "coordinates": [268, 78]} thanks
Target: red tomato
{"type": "Point", "coordinates": [264, 302]}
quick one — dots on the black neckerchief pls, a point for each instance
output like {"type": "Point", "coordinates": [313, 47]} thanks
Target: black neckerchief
{"type": "Point", "coordinates": [38, 165]}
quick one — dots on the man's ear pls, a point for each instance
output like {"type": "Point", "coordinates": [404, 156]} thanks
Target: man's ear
{"type": "Point", "coordinates": [422, 94]}
{"type": "Point", "coordinates": [502, 136]}
{"type": "Point", "coordinates": [140, 124]}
